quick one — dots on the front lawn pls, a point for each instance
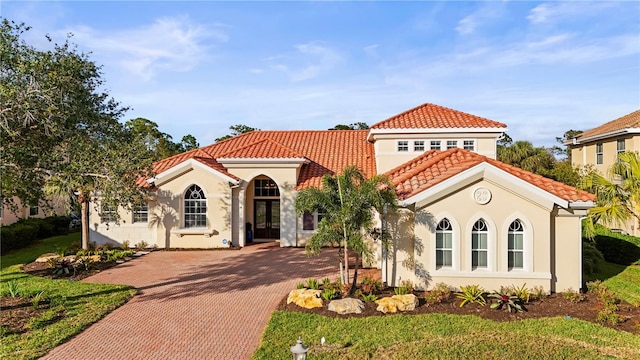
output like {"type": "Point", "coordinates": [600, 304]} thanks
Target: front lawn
{"type": "Point", "coordinates": [443, 336]}
{"type": "Point", "coordinates": [67, 307]}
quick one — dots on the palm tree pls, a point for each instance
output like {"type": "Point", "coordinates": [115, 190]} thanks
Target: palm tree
{"type": "Point", "coordinates": [527, 157]}
{"type": "Point", "coordinates": [348, 201]}
{"type": "Point", "coordinates": [617, 197]}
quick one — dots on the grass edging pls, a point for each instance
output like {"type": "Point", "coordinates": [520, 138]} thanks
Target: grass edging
{"type": "Point", "coordinates": [443, 336]}
{"type": "Point", "coordinates": [81, 304]}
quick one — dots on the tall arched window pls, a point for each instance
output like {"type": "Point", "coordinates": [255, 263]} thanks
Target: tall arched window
{"type": "Point", "coordinates": [516, 245]}
{"type": "Point", "coordinates": [444, 244]}
{"type": "Point", "coordinates": [195, 207]}
{"type": "Point", "coordinates": [479, 244]}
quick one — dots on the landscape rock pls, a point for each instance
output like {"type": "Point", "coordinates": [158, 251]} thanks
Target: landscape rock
{"type": "Point", "coordinates": [397, 303]}
{"type": "Point", "coordinates": [45, 257]}
{"type": "Point", "coordinates": [306, 298]}
{"type": "Point", "coordinates": [346, 306]}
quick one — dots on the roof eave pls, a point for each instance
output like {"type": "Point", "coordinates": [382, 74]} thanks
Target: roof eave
{"type": "Point", "coordinates": [263, 160]}
{"type": "Point", "coordinates": [580, 140]}
{"type": "Point", "coordinates": [184, 166]}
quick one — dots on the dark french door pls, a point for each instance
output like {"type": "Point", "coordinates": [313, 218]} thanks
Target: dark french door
{"type": "Point", "coordinates": [267, 219]}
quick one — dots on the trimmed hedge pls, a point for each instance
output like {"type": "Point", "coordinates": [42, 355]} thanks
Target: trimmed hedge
{"type": "Point", "coordinates": [25, 231]}
{"type": "Point", "coordinates": [617, 248]}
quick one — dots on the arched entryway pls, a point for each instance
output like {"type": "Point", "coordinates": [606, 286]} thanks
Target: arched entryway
{"type": "Point", "coordinates": [266, 209]}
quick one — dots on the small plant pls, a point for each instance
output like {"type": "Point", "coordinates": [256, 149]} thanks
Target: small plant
{"type": "Point", "coordinates": [369, 297]}
{"type": "Point", "coordinates": [326, 283]}
{"type": "Point", "coordinates": [53, 262]}
{"type": "Point", "coordinates": [440, 293]}
{"type": "Point", "coordinates": [406, 287]}
{"type": "Point", "coordinates": [609, 314]}
{"type": "Point", "coordinates": [300, 286]}
{"type": "Point", "coordinates": [124, 245]}
{"type": "Point", "coordinates": [573, 296]}
{"type": "Point", "coordinates": [539, 293]}
{"type": "Point", "coordinates": [313, 284]}
{"type": "Point", "coordinates": [65, 267]}
{"type": "Point", "coordinates": [510, 302]}
{"type": "Point", "coordinates": [142, 245]}
{"type": "Point", "coordinates": [522, 293]}
{"type": "Point", "coordinates": [329, 294]}
{"type": "Point", "coordinates": [14, 289]}
{"type": "Point", "coordinates": [369, 285]}
{"type": "Point", "coordinates": [471, 294]}
{"type": "Point", "coordinates": [36, 299]}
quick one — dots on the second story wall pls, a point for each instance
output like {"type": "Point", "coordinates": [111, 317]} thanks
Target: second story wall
{"type": "Point", "coordinates": [392, 150]}
{"type": "Point", "coordinates": [602, 154]}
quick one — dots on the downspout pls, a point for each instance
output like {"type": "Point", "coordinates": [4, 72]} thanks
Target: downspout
{"type": "Point", "coordinates": [384, 248]}
{"type": "Point", "coordinates": [231, 214]}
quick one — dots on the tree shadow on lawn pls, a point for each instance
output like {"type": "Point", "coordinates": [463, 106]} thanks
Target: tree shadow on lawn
{"type": "Point", "coordinates": [244, 269]}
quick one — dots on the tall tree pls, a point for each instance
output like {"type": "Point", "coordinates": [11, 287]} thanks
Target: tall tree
{"type": "Point", "coordinates": [527, 157]}
{"type": "Point", "coordinates": [348, 200]}
{"type": "Point", "coordinates": [353, 126]}
{"type": "Point", "coordinates": [189, 142]}
{"type": "Point", "coordinates": [237, 130]}
{"type": "Point", "coordinates": [618, 196]}
{"type": "Point", "coordinates": [562, 150]}
{"type": "Point", "coordinates": [60, 130]}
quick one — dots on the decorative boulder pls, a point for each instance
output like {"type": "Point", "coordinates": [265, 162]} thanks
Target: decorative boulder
{"type": "Point", "coordinates": [45, 257]}
{"type": "Point", "coordinates": [387, 305]}
{"type": "Point", "coordinates": [306, 298]}
{"type": "Point", "coordinates": [407, 302]}
{"type": "Point", "coordinates": [397, 303]}
{"type": "Point", "coordinates": [346, 306]}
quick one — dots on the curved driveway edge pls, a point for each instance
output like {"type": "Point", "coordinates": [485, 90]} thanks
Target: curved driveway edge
{"type": "Point", "coordinates": [196, 304]}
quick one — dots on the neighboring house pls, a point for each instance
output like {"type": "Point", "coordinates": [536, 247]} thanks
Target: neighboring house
{"type": "Point", "coordinates": [465, 217]}
{"type": "Point", "coordinates": [599, 147]}
{"type": "Point", "coordinates": [9, 215]}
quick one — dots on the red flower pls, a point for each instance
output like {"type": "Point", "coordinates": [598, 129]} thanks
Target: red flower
{"type": "Point", "coordinates": [504, 297]}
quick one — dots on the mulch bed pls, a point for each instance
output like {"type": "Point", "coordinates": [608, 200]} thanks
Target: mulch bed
{"type": "Point", "coordinates": [43, 270]}
{"type": "Point", "coordinates": [552, 306]}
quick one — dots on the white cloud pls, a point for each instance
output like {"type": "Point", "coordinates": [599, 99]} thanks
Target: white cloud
{"type": "Point", "coordinates": [486, 13]}
{"type": "Point", "coordinates": [553, 12]}
{"type": "Point", "coordinates": [174, 44]}
{"type": "Point", "coordinates": [371, 50]}
{"type": "Point", "coordinates": [307, 62]}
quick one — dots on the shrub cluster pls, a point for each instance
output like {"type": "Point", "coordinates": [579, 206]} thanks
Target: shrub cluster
{"type": "Point", "coordinates": [617, 248]}
{"type": "Point", "coordinates": [25, 231]}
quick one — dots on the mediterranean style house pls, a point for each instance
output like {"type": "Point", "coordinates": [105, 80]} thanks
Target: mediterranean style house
{"type": "Point", "coordinates": [599, 147]}
{"type": "Point", "coordinates": [47, 207]}
{"type": "Point", "coordinates": [465, 217]}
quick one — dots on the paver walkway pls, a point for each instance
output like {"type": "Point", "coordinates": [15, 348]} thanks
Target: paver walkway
{"type": "Point", "coordinates": [195, 304]}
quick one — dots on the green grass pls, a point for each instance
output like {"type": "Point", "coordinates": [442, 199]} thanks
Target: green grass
{"type": "Point", "coordinates": [81, 304]}
{"type": "Point", "coordinates": [443, 336]}
{"type": "Point", "coordinates": [626, 285]}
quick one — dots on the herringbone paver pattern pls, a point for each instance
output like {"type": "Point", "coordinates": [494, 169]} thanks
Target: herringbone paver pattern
{"type": "Point", "coordinates": [195, 304]}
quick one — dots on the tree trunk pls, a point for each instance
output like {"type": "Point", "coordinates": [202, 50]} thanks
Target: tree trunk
{"type": "Point", "coordinates": [345, 279]}
{"type": "Point", "coordinates": [341, 263]}
{"type": "Point", "coordinates": [84, 218]}
{"type": "Point", "coordinates": [355, 275]}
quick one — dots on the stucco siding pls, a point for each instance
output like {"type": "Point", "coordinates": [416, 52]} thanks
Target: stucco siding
{"type": "Point", "coordinates": [460, 208]}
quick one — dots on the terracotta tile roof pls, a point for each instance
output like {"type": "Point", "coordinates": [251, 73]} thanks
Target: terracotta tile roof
{"type": "Point", "coordinates": [262, 149]}
{"type": "Point", "coordinates": [214, 164]}
{"type": "Point", "coordinates": [435, 116]}
{"type": "Point", "coordinates": [328, 151]}
{"type": "Point", "coordinates": [631, 120]}
{"type": "Point", "coordinates": [434, 167]}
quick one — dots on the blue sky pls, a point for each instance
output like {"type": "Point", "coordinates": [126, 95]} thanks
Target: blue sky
{"type": "Point", "coordinates": [199, 67]}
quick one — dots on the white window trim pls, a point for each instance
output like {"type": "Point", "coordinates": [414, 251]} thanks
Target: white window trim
{"type": "Point", "coordinates": [439, 146]}
{"type": "Point", "coordinates": [455, 256]}
{"type": "Point", "coordinates": [315, 223]}
{"type": "Point", "coordinates": [424, 145]}
{"type": "Point", "coordinates": [624, 146]}
{"type": "Point", "coordinates": [446, 144]}
{"type": "Point", "coordinates": [183, 213]}
{"type": "Point", "coordinates": [527, 258]}
{"type": "Point", "coordinates": [133, 215]}
{"type": "Point", "coordinates": [473, 141]}
{"type": "Point", "coordinates": [601, 153]}
{"type": "Point", "coordinates": [405, 143]}
{"type": "Point", "coordinates": [491, 244]}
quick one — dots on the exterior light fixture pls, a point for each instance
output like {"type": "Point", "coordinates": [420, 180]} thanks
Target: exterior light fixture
{"type": "Point", "coordinates": [299, 351]}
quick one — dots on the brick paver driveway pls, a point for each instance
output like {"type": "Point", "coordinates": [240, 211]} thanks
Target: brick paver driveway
{"type": "Point", "coordinates": [195, 304]}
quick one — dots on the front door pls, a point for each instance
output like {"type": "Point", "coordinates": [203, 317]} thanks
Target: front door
{"type": "Point", "coordinates": [267, 219]}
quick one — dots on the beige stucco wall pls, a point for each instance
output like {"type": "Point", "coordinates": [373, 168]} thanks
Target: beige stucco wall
{"type": "Point", "coordinates": [508, 202]}
{"type": "Point", "coordinates": [585, 155]}
{"type": "Point", "coordinates": [46, 208]}
{"type": "Point", "coordinates": [166, 220]}
{"type": "Point", "coordinates": [388, 156]}
{"type": "Point", "coordinates": [285, 175]}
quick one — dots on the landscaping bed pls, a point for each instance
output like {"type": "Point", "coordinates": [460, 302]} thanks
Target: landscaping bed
{"type": "Point", "coordinates": [568, 306]}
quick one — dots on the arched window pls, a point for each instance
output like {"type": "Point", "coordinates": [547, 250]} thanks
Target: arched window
{"type": "Point", "coordinates": [444, 244]}
{"type": "Point", "coordinates": [479, 244]}
{"type": "Point", "coordinates": [516, 245]}
{"type": "Point", "coordinates": [195, 207]}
